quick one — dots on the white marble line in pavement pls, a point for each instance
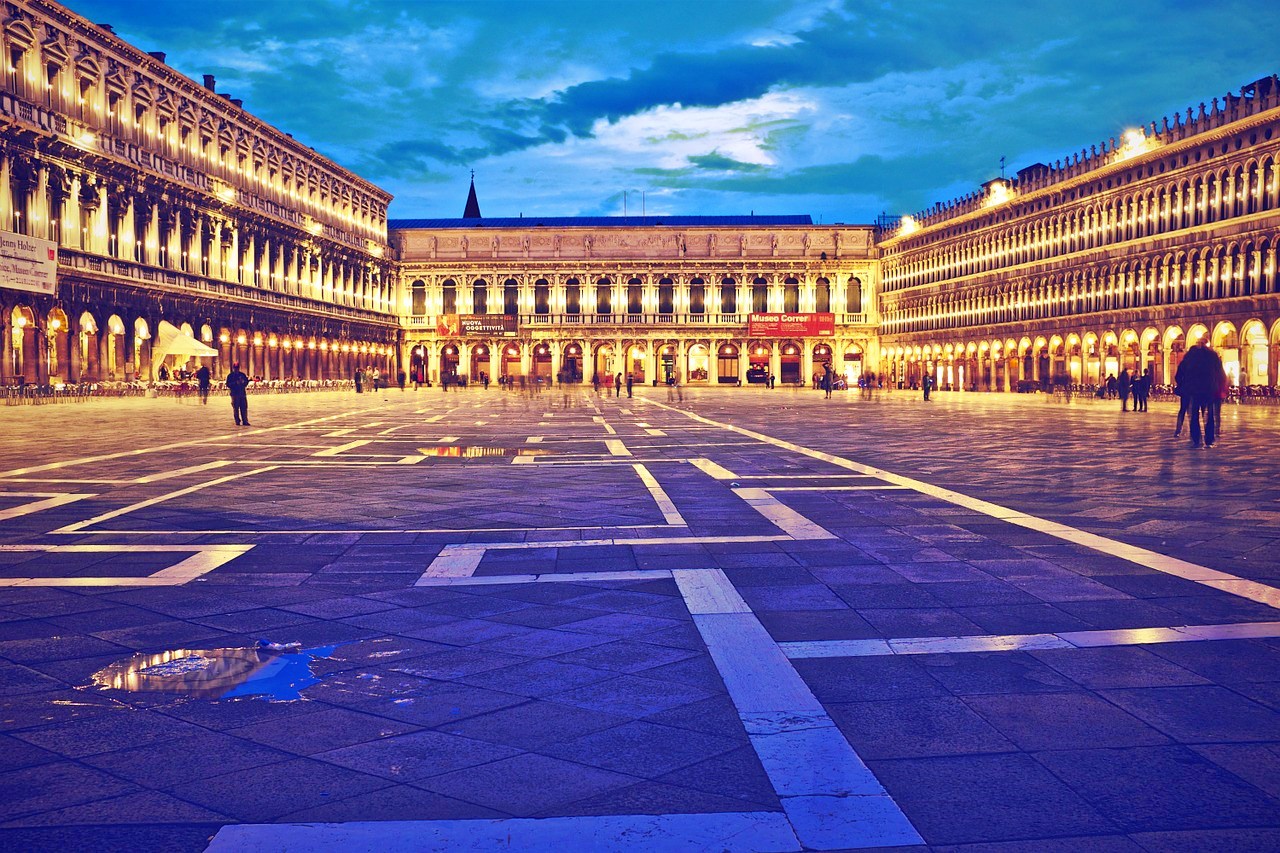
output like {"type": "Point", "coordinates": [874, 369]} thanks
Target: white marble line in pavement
{"type": "Point", "coordinates": [98, 519]}
{"type": "Point", "coordinates": [1028, 642]}
{"type": "Point", "coordinates": [763, 832]}
{"type": "Point", "coordinates": [452, 563]}
{"type": "Point", "coordinates": [782, 516]}
{"type": "Point", "coordinates": [1252, 590]}
{"type": "Point", "coordinates": [205, 559]}
{"type": "Point", "coordinates": [616, 447]}
{"type": "Point", "coordinates": [554, 577]}
{"type": "Point", "coordinates": [669, 512]}
{"type": "Point", "coordinates": [49, 502]}
{"type": "Point", "coordinates": [880, 487]}
{"type": "Point", "coordinates": [86, 460]}
{"type": "Point", "coordinates": [715, 471]}
{"type": "Point", "coordinates": [181, 472]}
{"type": "Point", "coordinates": [534, 439]}
{"type": "Point", "coordinates": [342, 448]}
{"type": "Point", "coordinates": [831, 798]}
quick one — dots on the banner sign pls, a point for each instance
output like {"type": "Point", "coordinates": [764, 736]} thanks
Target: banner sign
{"type": "Point", "coordinates": [28, 263]}
{"type": "Point", "coordinates": [791, 325]}
{"type": "Point", "coordinates": [455, 325]}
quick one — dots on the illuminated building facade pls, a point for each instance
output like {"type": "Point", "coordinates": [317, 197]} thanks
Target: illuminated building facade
{"type": "Point", "coordinates": [695, 299]}
{"type": "Point", "coordinates": [163, 200]}
{"type": "Point", "coordinates": [1116, 258]}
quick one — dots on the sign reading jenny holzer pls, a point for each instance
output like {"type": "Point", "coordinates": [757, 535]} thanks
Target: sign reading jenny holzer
{"type": "Point", "coordinates": [28, 263]}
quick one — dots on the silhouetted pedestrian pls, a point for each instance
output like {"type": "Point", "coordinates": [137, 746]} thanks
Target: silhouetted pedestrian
{"type": "Point", "coordinates": [237, 386]}
{"type": "Point", "coordinates": [204, 380]}
{"type": "Point", "coordinates": [1124, 385]}
{"type": "Point", "coordinates": [630, 379]}
{"type": "Point", "coordinates": [617, 385]}
{"type": "Point", "coordinates": [1201, 377]}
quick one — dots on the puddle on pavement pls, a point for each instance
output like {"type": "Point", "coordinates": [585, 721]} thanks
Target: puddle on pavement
{"type": "Point", "coordinates": [476, 452]}
{"type": "Point", "coordinates": [263, 673]}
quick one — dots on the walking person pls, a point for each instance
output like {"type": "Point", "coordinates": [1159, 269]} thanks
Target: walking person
{"type": "Point", "coordinates": [595, 383]}
{"type": "Point", "coordinates": [359, 378]}
{"type": "Point", "coordinates": [237, 386]}
{"type": "Point", "coordinates": [401, 378]}
{"type": "Point", "coordinates": [1142, 391]}
{"type": "Point", "coordinates": [617, 385]}
{"type": "Point", "coordinates": [630, 379]}
{"type": "Point", "coordinates": [1199, 377]}
{"type": "Point", "coordinates": [828, 380]}
{"type": "Point", "coordinates": [1123, 386]}
{"type": "Point", "coordinates": [204, 380]}
{"type": "Point", "coordinates": [927, 384]}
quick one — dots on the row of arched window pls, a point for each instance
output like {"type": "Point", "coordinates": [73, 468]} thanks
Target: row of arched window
{"type": "Point", "coordinates": [1234, 190]}
{"type": "Point", "coordinates": [129, 105]}
{"type": "Point", "coordinates": [605, 295]}
{"type": "Point", "coordinates": [1237, 270]}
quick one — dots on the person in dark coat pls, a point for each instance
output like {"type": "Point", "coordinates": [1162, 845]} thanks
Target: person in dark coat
{"type": "Point", "coordinates": [1141, 391]}
{"type": "Point", "coordinates": [630, 380]}
{"type": "Point", "coordinates": [204, 380]}
{"type": "Point", "coordinates": [237, 384]}
{"type": "Point", "coordinates": [617, 385]}
{"type": "Point", "coordinates": [1200, 377]}
{"type": "Point", "coordinates": [1124, 385]}
{"type": "Point", "coordinates": [359, 378]}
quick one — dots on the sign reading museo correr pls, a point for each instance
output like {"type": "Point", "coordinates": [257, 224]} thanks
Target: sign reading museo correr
{"type": "Point", "coordinates": [452, 325]}
{"type": "Point", "coordinates": [28, 263]}
{"type": "Point", "coordinates": [791, 325]}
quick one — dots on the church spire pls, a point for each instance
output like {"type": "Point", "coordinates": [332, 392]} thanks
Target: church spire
{"type": "Point", "coordinates": [472, 210]}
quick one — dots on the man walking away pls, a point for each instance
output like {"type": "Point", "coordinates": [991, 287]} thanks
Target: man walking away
{"type": "Point", "coordinates": [1199, 377]}
{"type": "Point", "coordinates": [237, 385]}
{"type": "Point", "coordinates": [204, 380]}
{"type": "Point", "coordinates": [630, 379]}
{"type": "Point", "coordinates": [1142, 390]}
{"type": "Point", "coordinates": [1124, 385]}
{"type": "Point", "coordinates": [927, 385]}
{"type": "Point", "coordinates": [617, 385]}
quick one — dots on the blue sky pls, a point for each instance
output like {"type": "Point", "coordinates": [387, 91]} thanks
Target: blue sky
{"type": "Point", "coordinates": [836, 108]}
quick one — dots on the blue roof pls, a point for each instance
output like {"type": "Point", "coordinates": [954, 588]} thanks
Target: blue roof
{"type": "Point", "coordinates": [601, 222]}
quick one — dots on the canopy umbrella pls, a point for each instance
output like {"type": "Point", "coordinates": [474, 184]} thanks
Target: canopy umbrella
{"type": "Point", "coordinates": [170, 340]}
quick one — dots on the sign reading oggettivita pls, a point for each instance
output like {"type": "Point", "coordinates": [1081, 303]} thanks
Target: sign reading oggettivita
{"type": "Point", "coordinates": [28, 263]}
{"type": "Point", "coordinates": [452, 325]}
{"type": "Point", "coordinates": [791, 325]}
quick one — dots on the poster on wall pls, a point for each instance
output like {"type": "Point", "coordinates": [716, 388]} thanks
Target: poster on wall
{"type": "Point", "coordinates": [462, 325]}
{"type": "Point", "coordinates": [28, 263]}
{"type": "Point", "coordinates": [778, 325]}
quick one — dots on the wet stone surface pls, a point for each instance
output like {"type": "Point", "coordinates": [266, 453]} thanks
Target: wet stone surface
{"type": "Point", "coordinates": [613, 606]}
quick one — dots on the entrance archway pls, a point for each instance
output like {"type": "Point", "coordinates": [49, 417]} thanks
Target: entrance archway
{"type": "Point", "coordinates": [727, 365]}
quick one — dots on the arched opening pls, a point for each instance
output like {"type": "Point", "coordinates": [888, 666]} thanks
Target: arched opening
{"type": "Point", "coordinates": [1254, 361]}
{"type": "Point", "coordinates": [727, 365]}
{"type": "Point", "coordinates": [697, 363]}
{"type": "Point", "coordinates": [542, 362]}
{"type": "Point", "coordinates": [571, 369]}
{"type": "Point", "coordinates": [449, 364]}
{"type": "Point", "coordinates": [480, 368]}
{"type": "Point", "coordinates": [635, 366]}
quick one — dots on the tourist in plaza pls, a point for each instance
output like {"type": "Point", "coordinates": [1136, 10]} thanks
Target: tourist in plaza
{"type": "Point", "coordinates": [484, 379]}
{"type": "Point", "coordinates": [617, 385]}
{"type": "Point", "coordinates": [401, 377]}
{"type": "Point", "coordinates": [630, 379]}
{"type": "Point", "coordinates": [1141, 391]}
{"type": "Point", "coordinates": [772, 381]}
{"type": "Point", "coordinates": [1200, 378]}
{"type": "Point", "coordinates": [204, 380]}
{"type": "Point", "coordinates": [237, 386]}
{"type": "Point", "coordinates": [1123, 386]}
{"type": "Point", "coordinates": [927, 385]}
{"type": "Point", "coordinates": [595, 382]}
{"type": "Point", "coordinates": [359, 378]}
{"type": "Point", "coordinates": [828, 380]}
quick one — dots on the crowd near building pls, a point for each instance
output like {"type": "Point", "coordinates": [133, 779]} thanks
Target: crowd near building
{"type": "Point", "coordinates": [149, 224]}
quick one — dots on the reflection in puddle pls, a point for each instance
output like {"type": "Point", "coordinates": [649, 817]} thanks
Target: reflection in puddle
{"type": "Point", "coordinates": [217, 673]}
{"type": "Point", "coordinates": [474, 452]}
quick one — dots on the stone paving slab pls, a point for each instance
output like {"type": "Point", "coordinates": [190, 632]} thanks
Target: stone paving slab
{"type": "Point", "coordinates": [557, 677]}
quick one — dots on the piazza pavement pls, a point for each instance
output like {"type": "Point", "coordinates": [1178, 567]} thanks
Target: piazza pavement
{"type": "Point", "coordinates": [739, 620]}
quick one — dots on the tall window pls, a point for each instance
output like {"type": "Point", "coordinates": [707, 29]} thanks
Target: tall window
{"type": "Point", "coordinates": [541, 297]}
{"type": "Point", "coordinates": [604, 301]}
{"type": "Point", "coordinates": [853, 296]}
{"type": "Point", "coordinates": [759, 296]}
{"type": "Point", "coordinates": [419, 302]}
{"type": "Point", "coordinates": [666, 296]}
{"type": "Point", "coordinates": [822, 296]}
{"type": "Point", "coordinates": [728, 296]}
{"type": "Point", "coordinates": [510, 297]}
{"type": "Point", "coordinates": [791, 296]}
{"type": "Point", "coordinates": [449, 302]}
{"type": "Point", "coordinates": [697, 296]}
{"type": "Point", "coordinates": [572, 297]}
{"type": "Point", "coordinates": [480, 297]}
{"type": "Point", "coordinates": [635, 297]}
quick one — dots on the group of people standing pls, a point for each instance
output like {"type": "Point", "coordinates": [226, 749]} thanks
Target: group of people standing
{"type": "Point", "coordinates": [1202, 387]}
{"type": "Point", "coordinates": [1138, 386]}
